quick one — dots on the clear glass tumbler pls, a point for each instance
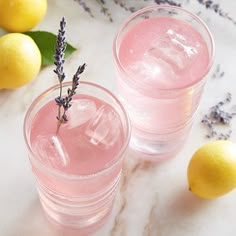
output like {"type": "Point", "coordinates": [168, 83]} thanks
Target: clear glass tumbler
{"type": "Point", "coordinates": [78, 168]}
{"type": "Point", "coordinates": [162, 55]}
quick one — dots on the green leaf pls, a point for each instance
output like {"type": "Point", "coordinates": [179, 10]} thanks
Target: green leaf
{"type": "Point", "coordinates": [46, 42]}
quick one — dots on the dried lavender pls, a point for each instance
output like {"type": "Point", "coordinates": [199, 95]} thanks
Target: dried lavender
{"type": "Point", "coordinates": [104, 9]}
{"type": "Point", "coordinates": [217, 116]}
{"type": "Point", "coordinates": [218, 73]}
{"type": "Point", "coordinates": [209, 4]}
{"type": "Point", "coordinates": [172, 3]}
{"type": "Point", "coordinates": [125, 6]}
{"type": "Point", "coordinates": [64, 102]}
{"type": "Point", "coordinates": [85, 7]}
{"type": "Point", "coordinates": [60, 53]}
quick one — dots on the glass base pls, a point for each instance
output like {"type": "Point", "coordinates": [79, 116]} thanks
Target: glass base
{"type": "Point", "coordinates": [158, 147]}
{"type": "Point", "coordinates": [82, 231]}
{"type": "Point", "coordinates": [82, 216]}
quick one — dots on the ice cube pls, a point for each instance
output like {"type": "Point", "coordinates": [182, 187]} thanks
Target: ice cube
{"type": "Point", "coordinates": [174, 49]}
{"type": "Point", "coordinates": [152, 70]}
{"type": "Point", "coordinates": [164, 62]}
{"type": "Point", "coordinates": [50, 150]}
{"type": "Point", "coordinates": [103, 129]}
{"type": "Point", "coordinates": [80, 112]}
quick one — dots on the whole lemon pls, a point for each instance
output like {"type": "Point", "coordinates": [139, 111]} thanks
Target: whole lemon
{"type": "Point", "coordinates": [21, 15]}
{"type": "Point", "coordinates": [20, 60]}
{"type": "Point", "coordinates": [212, 169]}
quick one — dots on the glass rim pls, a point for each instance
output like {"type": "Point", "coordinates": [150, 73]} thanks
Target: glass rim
{"type": "Point", "coordinates": [59, 173]}
{"type": "Point", "coordinates": [149, 8]}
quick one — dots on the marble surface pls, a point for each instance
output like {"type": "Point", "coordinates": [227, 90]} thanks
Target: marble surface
{"type": "Point", "coordinates": [153, 199]}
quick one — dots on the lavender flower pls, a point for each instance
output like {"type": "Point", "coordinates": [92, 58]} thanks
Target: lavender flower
{"type": "Point", "coordinates": [60, 51]}
{"type": "Point", "coordinates": [85, 7]}
{"type": "Point", "coordinates": [159, 2]}
{"type": "Point", "coordinates": [64, 102]}
{"type": "Point", "coordinates": [209, 4]}
{"type": "Point", "coordinates": [218, 73]}
{"type": "Point", "coordinates": [124, 5]}
{"type": "Point", "coordinates": [217, 116]}
{"type": "Point", "coordinates": [104, 9]}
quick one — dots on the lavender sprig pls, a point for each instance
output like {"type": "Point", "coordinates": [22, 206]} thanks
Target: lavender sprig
{"type": "Point", "coordinates": [85, 7]}
{"type": "Point", "coordinates": [170, 2]}
{"type": "Point", "coordinates": [60, 51]}
{"type": "Point", "coordinates": [209, 4]}
{"type": "Point", "coordinates": [124, 5]}
{"type": "Point", "coordinates": [104, 9]}
{"type": "Point", "coordinates": [218, 73]}
{"type": "Point", "coordinates": [218, 116]}
{"type": "Point", "coordinates": [64, 102]}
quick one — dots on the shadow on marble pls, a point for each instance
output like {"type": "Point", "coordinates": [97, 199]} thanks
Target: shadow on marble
{"type": "Point", "coordinates": [184, 208]}
{"type": "Point", "coordinates": [186, 203]}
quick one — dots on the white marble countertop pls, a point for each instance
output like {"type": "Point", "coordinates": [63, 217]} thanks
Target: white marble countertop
{"type": "Point", "coordinates": [153, 199]}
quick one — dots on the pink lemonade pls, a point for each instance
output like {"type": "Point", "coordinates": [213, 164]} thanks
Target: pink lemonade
{"type": "Point", "coordinates": [77, 170]}
{"type": "Point", "coordinates": [161, 54]}
{"type": "Point", "coordinates": [164, 53]}
{"type": "Point", "coordinates": [161, 63]}
{"type": "Point", "coordinates": [85, 144]}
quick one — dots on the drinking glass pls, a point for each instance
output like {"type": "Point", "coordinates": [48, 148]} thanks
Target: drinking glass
{"type": "Point", "coordinates": [78, 169]}
{"type": "Point", "coordinates": [162, 56]}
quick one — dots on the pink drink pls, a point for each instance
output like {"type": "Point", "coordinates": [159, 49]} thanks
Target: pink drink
{"type": "Point", "coordinates": [162, 60]}
{"type": "Point", "coordinates": [164, 53]}
{"type": "Point", "coordinates": [85, 144]}
{"type": "Point", "coordinates": [77, 170]}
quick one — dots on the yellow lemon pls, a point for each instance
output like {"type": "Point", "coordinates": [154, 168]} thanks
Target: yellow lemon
{"type": "Point", "coordinates": [212, 169]}
{"type": "Point", "coordinates": [20, 60]}
{"type": "Point", "coordinates": [21, 15]}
